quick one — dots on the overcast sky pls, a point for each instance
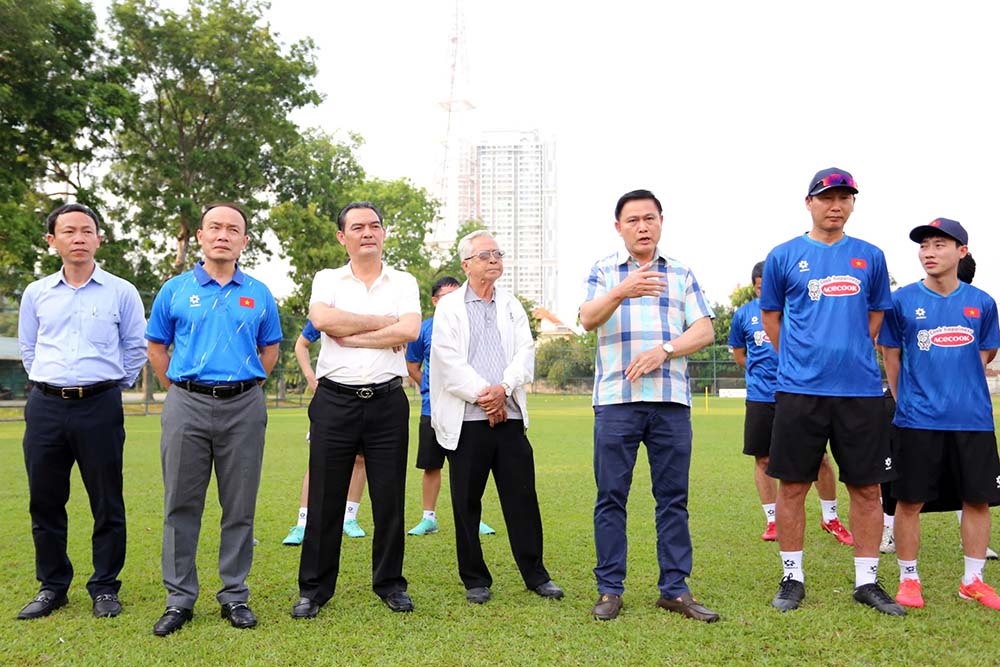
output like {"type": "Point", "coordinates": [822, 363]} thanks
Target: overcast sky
{"type": "Point", "coordinates": [724, 109]}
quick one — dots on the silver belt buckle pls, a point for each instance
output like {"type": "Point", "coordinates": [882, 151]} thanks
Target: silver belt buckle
{"type": "Point", "coordinates": [365, 392]}
{"type": "Point", "coordinates": [72, 390]}
{"type": "Point", "coordinates": [214, 388]}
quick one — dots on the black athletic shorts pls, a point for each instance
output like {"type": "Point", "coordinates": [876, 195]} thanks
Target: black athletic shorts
{"type": "Point", "coordinates": [757, 428]}
{"type": "Point", "coordinates": [430, 455]}
{"type": "Point", "coordinates": [929, 460]}
{"type": "Point", "coordinates": [854, 426]}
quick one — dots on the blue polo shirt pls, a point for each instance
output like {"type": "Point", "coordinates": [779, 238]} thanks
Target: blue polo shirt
{"type": "Point", "coordinates": [747, 332]}
{"type": "Point", "coordinates": [215, 329]}
{"type": "Point", "coordinates": [420, 351]}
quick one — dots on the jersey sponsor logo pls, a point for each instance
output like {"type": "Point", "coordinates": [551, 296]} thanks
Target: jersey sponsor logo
{"type": "Point", "coordinates": [803, 266]}
{"type": "Point", "coordinates": [857, 263]}
{"type": "Point", "coordinates": [834, 286]}
{"type": "Point", "coordinates": [760, 337]}
{"type": "Point", "coordinates": [246, 302]}
{"type": "Point", "coordinates": [971, 311]}
{"type": "Point", "coordinates": [754, 320]}
{"type": "Point", "coordinates": [194, 301]}
{"type": "Point", "coordinates": [951, 336]}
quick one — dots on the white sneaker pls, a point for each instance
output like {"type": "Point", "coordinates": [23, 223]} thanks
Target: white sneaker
{"type": "Point", "coordinates": [888, 545]}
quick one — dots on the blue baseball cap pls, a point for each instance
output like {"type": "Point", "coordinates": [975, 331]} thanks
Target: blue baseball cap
{"type": "Point", "coordinates": [831, 178]}
{"type": "Point", "coordinates": [941, 227]}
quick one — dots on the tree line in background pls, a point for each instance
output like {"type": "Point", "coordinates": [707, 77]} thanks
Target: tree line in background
{"type": "Point", "coordinates": [158, 113]}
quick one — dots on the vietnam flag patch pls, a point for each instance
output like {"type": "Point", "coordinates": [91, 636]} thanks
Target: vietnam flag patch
{"type": "Point", "coordinates": [246, 302]}
{"type": "Point", "coordinates": [971, 312]}
{"type": "Point", "coordinates": [859, 263]}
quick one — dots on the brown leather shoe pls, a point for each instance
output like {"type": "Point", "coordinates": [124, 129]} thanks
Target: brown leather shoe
{"type": "Point", "coordinates": [686, 605]}
{"type": "Point", "coordinates": [607, 607]}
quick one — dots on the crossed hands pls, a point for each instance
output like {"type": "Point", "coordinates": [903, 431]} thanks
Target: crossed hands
{"type": "Point", "coordinates": [493, 401]}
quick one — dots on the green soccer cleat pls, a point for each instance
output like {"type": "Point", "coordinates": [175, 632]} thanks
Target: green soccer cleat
{"type": "Point", "coordinates": [485, 530]}
{"type": "Point", "coordinates": [352, 529]}
{"type": "Point", "coordinates": [295, 536]}
{"type": "Point", "coordinates": [425, 527]}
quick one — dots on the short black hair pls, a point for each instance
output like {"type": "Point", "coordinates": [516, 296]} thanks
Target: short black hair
{"type": "Point", "coordinates": [226, 204]}
{"type": "Point", "coordinates": [757, 272]}
{"type": "Point", "coordinates": [446, 281]}
{"type": "Point", "coordinates": [967, 268]}
{"type": "Point", "coordinates": [634, 195]}
{"type": "Point", "coordinates": [353, 205]}
{"type": "Point", "coordinates": [50, 221]}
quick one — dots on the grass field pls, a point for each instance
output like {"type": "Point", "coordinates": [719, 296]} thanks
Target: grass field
{"type": "Point", "coordinates": [735, 573]}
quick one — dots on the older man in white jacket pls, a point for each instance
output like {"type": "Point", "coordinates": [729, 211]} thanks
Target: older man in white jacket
{"type": "Point", "coordinates": [482, 355]}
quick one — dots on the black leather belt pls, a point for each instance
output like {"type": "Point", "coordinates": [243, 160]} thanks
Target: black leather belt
{"type": "Point", "coordinates": [221, 390]}
{"type": "Point", "coordinates": [363, 391]}
{"type": "Point", "coordinates": [83, 391]}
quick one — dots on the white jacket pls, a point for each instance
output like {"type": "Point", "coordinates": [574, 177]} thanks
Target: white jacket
{"type": "Point", "coordinates": [453, 382]}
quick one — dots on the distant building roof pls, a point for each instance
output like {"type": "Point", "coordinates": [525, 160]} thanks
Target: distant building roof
{"type": "Point", "coordinates": [9, 349]}
{"type": "Point", "coordinates": [549, 324]}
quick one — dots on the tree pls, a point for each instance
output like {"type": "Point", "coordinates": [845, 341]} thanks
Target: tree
{"type": "Point", "coordinates": [215, 95]}
{"type": "Point", "coordinates": [59, 100]}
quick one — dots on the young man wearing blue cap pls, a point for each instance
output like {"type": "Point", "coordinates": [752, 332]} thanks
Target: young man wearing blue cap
{"type": "Point", "coordinates": [822, 302]}
{"type": "Point", "coordinates": [944, 420]}
{"type": "Point", "coordinates": [753, 352]}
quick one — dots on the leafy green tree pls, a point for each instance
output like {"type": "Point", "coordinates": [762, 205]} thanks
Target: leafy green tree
{"type": "Point", "coordinates": [216, 91]}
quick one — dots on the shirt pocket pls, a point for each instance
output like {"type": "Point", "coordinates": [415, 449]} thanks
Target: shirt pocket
{"type": "Point", "coordinates": [100, 329]}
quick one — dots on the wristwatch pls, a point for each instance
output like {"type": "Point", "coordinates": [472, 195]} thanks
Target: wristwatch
{"type": "Point", "coordinates": [507, 389]}
{"type": "Point", "coordinates": [669, 349]}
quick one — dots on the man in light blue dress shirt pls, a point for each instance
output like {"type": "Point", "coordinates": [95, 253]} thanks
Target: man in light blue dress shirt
{"type": "Point", "coordinates": [81, 338]}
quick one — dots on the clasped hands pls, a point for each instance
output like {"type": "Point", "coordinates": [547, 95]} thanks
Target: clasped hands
{"type": "Point", "coordinates": [493, 401]}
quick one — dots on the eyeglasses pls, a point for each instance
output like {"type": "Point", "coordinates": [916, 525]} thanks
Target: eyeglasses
{"type": "Point", "coordinates": [834, 180]}
{"type": "Point", "coordinates": [486, 254]}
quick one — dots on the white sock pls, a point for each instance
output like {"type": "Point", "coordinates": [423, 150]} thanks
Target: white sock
{"type": "Point", "coordinates": [303, 513]}
{"type": "Point", "coordinates": [973, 569]}
{"type": "Point", "coordinates": [865, 571]}
{"type": "Point", "coordinates": [908, 569]}
{"type": "Point", "coordinates": [958, 514]}
{"type": "Point", "coordinates": [431, 515]}
{"type": "Point", "coordinates": [351, 512]}
{"type": "Point", "coordinates": [769, 511]}
{"type": "Point", "coordinates": [791, 561]}
{"type": "Point", "coordinates": [888, 521]}
{"type": "Point", "coordinates": [829, 509]}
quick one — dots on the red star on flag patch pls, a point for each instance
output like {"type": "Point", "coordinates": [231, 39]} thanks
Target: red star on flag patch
{"type": "Point", "coordinates": [971, 312]}
{"type": "Point", "coordinates": [246, 302]}
{"type": "Point", "coordinates": [859, 263]}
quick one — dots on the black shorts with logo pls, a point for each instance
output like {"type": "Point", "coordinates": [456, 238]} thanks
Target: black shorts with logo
{"type": "Point", "coordinates": [430, 455]}
{"type": "Point", "coordinates": [855, 427]}
{"type": "Point", "coordinates": [757, 428]}
{"type": "Point", "coordinates": [932, 463]}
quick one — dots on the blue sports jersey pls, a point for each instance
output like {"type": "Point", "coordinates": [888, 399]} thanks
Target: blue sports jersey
{"type": "Point", "coordinates": [419, 351]}
{"type": "Point", "coordinates": [942, 383]}
{"type": "Point", "coordinates": [747, 332]}
{"type": "Point", "coordinates": [310, 333]}
{"type": "Point", "coordinates": [825, 293]}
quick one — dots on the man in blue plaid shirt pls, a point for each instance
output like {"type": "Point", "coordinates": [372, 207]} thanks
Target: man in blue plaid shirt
{"type": "Point", "coordinates": [649, 314]}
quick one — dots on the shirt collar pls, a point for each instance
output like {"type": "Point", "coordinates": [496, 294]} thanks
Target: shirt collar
{"type": "Point", "coordinates": [623, 256]}
{"type": "Point", "coordinates": [203, 278]}
{"type": "Point", "coordinates": [470, 295]}
{"type": "Point", "coordinates": [99, 276]}
{"type": "Point", "coordinates": [384, 274]}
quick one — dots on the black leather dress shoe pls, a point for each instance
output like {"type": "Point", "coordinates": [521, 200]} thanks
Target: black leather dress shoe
{"type": "Point", "coordinates": [398, 601]}
{"type": "Point", "coordinates": [239, 615]}
{"type": "Point", "coordinates": [478, 595]}
{"type": "Point", "coordinates": [43, 604]}
{"type": "Point", "coordinates": [172, 620]}
{"type": "Point", "coordinates": [549, 590]}
{"type": "Point", "coordinates": [305, 608]}
{"type": "Point", "coordinates": [107, 605]}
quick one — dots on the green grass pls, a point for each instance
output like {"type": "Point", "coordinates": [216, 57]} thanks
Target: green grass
{"type": "Point", "coordinates": [735, 573]}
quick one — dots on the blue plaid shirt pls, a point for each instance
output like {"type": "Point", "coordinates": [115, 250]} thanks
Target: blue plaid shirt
{"type": "Point", "coordinates": [641, 324]}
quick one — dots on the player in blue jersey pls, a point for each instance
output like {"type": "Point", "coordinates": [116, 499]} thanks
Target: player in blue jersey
{"type": "Point", "coordinates": [753, 351]}
{"type": "Point", "coordinates": [937, 340]}
{"type": "Point", "coordinates": [822, 302]}
{"type": "Point", "coordinates": [296, 533]}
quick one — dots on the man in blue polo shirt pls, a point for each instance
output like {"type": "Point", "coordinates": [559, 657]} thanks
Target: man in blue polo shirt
{"type": "Point", "coordinates": [224, 329]}
{"type": "Point", "coordinates": [937, 340]}
{"type": "Point", "coordinates": [650, 314]}
{"type": "Point", "coordinates": [752, 351]}
{"type": "Point", "coordinates": [823, 298]}
{"type": "Point", "coordinates": [80, 334]}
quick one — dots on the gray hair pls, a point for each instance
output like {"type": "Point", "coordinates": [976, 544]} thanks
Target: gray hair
{"type": "Point", "coordinates": [465, 245]}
